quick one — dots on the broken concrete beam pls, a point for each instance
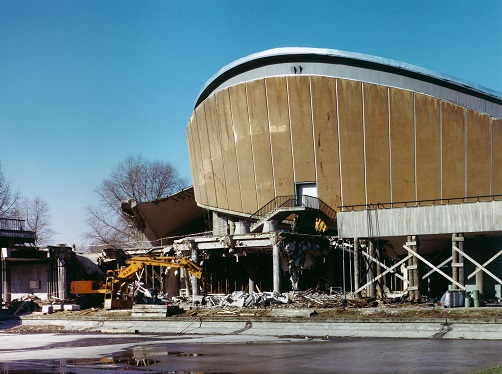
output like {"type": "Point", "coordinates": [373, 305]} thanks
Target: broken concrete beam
{"type": "Point", "coordinates": [71, 307]}
{"type": "Point", "coordinates": [46, 309]}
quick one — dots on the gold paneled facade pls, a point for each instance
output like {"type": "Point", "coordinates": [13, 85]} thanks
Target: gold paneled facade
{"type": "Point", "coordinates": [361, 143]}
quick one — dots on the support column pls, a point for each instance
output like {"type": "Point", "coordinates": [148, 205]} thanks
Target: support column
{"type": "Point", "coordinates": [416, 276]}
{"type": "Point", "coordinates": [379, 290]}
{"type": "Point", "coordinates": [454, 268]}
{"type": "Point", "coordinates": [457, 260]}
{"type": "Point", "coordinates": [356, 266]}
{"type": "Point", "coordinates": [276, 264]}
{"type": "Point", "coordinates": [370, 274]}
{"type": "Point", "coordinates": [251, 266]}
{"type": "Point", "coordinates": [413, 276]}
{"type": "Point", "coordinates": [193, 278]}
{"type": "Point", "coordinates": [480, 281]}
{"type": "Point", "coordinates": [220, 225]}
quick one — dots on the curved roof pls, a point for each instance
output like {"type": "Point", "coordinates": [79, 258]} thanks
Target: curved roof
{"type": "Point", "coordinates": [337, 57]}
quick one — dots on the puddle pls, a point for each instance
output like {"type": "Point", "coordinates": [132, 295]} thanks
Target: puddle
{"type": "Point", "coordinates": [131, 359]}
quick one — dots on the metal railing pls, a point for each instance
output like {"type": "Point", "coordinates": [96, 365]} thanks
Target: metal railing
{"type": "Point", "coordinates": [292, 201]}
{"type": "Point", "coordinates": [10, 224]}
{"type": "Point", "coordinates": [416, 203]}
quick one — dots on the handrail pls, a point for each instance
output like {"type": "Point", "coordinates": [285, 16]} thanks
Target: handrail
{"type": "Point", "coordinates": [11, 224]}
{"type": "Point", "coordinates": [291, 201]}
{"type": "Point", "coordinates": [416, 203]}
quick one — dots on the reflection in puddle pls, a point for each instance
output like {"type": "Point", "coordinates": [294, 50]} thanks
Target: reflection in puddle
{"type": "Point", "coordinates": [138, 357]}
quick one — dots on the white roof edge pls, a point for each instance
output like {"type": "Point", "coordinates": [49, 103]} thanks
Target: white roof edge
{"type": "Point", "coordinates": [285, 51]}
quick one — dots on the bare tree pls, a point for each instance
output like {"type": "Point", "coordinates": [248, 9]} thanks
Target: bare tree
{"type": "Point", "coordinates": [8, 198]}
{"type": "Point", "coordinates": [134, 178]}
{"type": "Point", "coordinates": [36, 212]}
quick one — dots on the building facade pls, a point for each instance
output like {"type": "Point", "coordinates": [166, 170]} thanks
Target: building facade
{"type": "Point", "coordinates": [396, 150]}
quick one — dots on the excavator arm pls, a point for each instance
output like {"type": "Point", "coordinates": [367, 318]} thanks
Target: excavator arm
{"type": "Point", "coordinates": [139, 262]}
{"type": "Point", "coordinates": [118, 280]}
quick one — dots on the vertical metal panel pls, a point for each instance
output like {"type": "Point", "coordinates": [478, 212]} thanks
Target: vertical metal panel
{"type": "Point", "coordinates": [402, 135]}
{"type": "Point", "coordinates": [427, 147]}
{"type": "Point", "coordinates": [207, 166]}
{"type": "Point", "coordinates": [496, 156]}
{"type": "Point", "coordinates": [301, 128]}
{"type": "Point", "coordinates": [280, 135]}
{"type": "Point", "coordinates": [376, 127]}
{"type": "Point", "coordinates": [452, 149]}
{"type": "Point", "coordinates": [326, 140]}
{"type": "Point", "coordinates": [197, 149]}
{"type": "Point", "coordinates": [478, 154]}
{"type": "Point", "coordinates": [240, 120]}
{"type": "Point", "coordinates": [351, 141]}
{"type": "Point", "coordinates": [213, 129]}
{"type": "Point", "coordinates": [260, 138]}
{"type": "Point", "coordinates": [193, 163]}
{"type": "Point", "coordinates": [227, 141]}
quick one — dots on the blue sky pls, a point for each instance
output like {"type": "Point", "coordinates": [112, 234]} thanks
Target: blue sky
{"type": "Point", "coordinates": [83, 84]}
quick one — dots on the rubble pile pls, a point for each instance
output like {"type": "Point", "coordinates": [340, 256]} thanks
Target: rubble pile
{"type": "Point", "coordinates": [28, 303]}
{"type": "Point", "coordinates": [294, 300]}
{"type": "Point", "coordinates": [242, 299]}
{"type": "Point", "coordinates": [31, 303]}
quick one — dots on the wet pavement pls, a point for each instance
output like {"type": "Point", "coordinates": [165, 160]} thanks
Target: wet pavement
{"type": "Point", "coordinates": [137, 353]}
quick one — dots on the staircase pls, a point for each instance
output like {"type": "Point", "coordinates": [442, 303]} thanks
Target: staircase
{"type": "Point", "coordinates": [281, 207]}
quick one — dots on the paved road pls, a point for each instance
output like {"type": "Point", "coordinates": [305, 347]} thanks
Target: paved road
{"type": "Point", "coordinates": [137, 353]}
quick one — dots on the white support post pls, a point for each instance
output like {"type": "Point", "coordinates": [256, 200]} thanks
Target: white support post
{"type": "Point", "coordinates": [434, 267]}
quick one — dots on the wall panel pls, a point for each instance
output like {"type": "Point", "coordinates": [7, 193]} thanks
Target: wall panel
{"type": "Point", "coordinates": [478, 154]}
{"type": "Point", "coordinates": [402, 139]}
{"type": "Point", "coordinates": [205, 152]}
{"type": "Point", "coordinates": [301, 128]}
{"type": "Point", "coordinates": [351, 142]}
{"type": "Point", "coordinates": [326, 140]}
{"type": "Point", "coordinates": [452, 150]}
{"type": "Point", "coordinates": [376, 128]}
{"type": "Point", "coordinates": [280, 136]}
{"type": "Point", "coordinates": [427, 147]}
{"type": "Point", "coordinates": [194, 155]}
{"type": "Point", "coordinates": [497, 157]}
{"type": "Point", "coordinates": [213, 130]}
{"type": "Point", "coordinates": [260, 139]}
{"type": "Point", "coordinates": [240, 120]}
{"type": "Point", "coordinates": [227, 141]}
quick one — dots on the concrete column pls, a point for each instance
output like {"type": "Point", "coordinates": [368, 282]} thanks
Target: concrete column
{"type": "Point", "coordinates": [220, 226]}
{"type": "Point", "coordinates": [457, 260]}
{"type": "Point", "coordinates": [193, 279]}
{"type": "Point", "coordinates": [270, 226]}
{"type": "Point", "coordinates": [413, 276]}
{"type": "Point", "coordinates": [480, 281]}
{"type": "Point", "coordinates": [416, 275]}
{"type": "Point", "coordinates": [370, 273]}
{"type": "Point", "coordinates": [454, 263]}
{"type": "Point", "coordinates": [276, 265]}
{"type": "Point", "coordinates": [461, 274]}
{"type": "Point", "coordinates": [356, 265]}
{"type": "Point", "coordinates": [379, 290]}
{"type": "Point", "coordinates": [251, 266]}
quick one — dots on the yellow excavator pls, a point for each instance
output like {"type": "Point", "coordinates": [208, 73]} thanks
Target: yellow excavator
{"type": "Point", "coordinates": [116, 288]}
